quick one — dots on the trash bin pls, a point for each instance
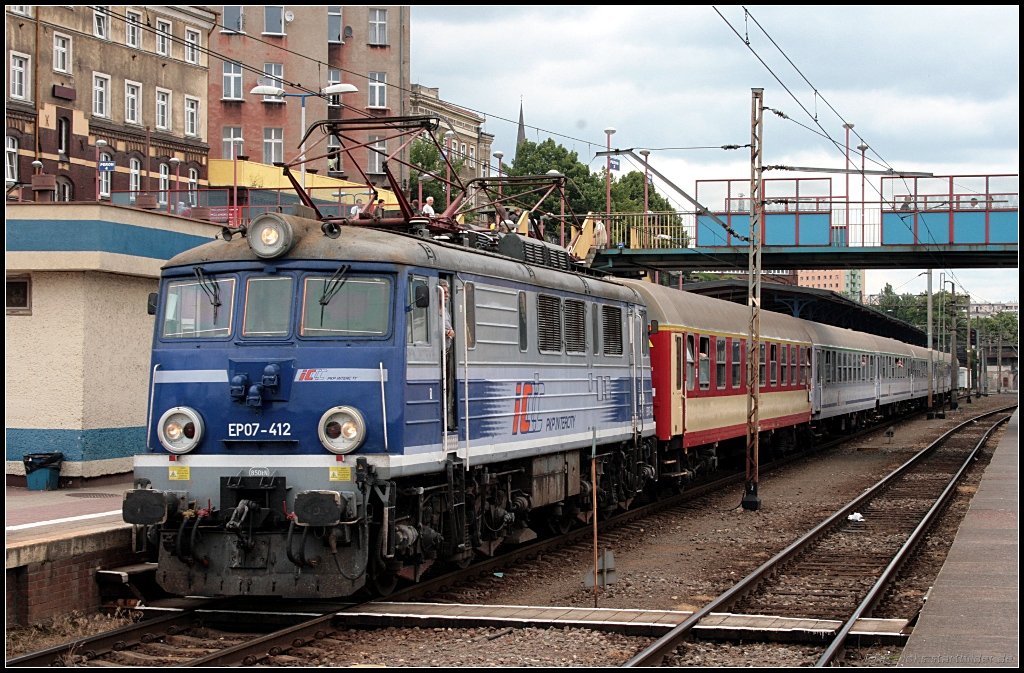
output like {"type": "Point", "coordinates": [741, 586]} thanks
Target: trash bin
{"type": "Point", "coordinates": [42, 471]}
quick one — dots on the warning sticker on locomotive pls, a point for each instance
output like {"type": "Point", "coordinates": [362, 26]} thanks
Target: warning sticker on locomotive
{"type": "Point", "coordinates": [339, 473]}
{"type": "Point", "coordinates": [178, 473]}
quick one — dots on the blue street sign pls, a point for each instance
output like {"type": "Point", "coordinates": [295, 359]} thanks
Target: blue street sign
{"type": "Point", "coordinates": [106, 166]}
{"type": "Point", "coordinates": [614, 164]}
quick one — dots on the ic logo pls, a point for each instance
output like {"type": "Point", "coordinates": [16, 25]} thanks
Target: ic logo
{"type": "Point", "coordinates": [526, 416]}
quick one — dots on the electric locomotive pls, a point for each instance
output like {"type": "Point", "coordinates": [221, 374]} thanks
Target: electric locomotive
{"type": "Point", "coordinates": [311, 433]}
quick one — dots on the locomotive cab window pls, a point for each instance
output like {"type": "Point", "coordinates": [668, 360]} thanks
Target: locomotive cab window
{"type": "Point", "coordinates": [268, 306]}
{"type": "Point", "coordinates": [199, 308]}
{"type": "Point", "coordinates": [346, 306]}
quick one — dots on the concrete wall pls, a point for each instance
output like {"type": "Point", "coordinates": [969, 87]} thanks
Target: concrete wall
{"type": "Point", "coordinates": [77, 362]}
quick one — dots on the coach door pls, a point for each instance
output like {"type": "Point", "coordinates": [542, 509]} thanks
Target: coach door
{"type": "Point", "coordinates": [678, 385]}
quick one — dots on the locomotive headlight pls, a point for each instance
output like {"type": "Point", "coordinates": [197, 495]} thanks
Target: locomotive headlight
{"type": "Point", "coordinates": [270, 236]}
{"type": "Point", "coordinates": [342, 429]}
{"type": "Point", "coordinates": [180, 429]}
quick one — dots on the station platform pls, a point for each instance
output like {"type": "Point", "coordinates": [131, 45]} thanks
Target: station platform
{"type": "Point", "coordinates": [55, 541]}
{"type": "Point", "coordinates": [972, 615]}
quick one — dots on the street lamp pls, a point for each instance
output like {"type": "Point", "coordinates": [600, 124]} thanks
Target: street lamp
{"type": "Point", "coordinates": [448, 135]}
{"type": "Point", "coordinates": [608, 177]}
{"type": "Point", "coordinates": [330, 90]}
{"type": "Point", "coordinates": [499, 155]}
{"type": "Point", "coordinates": [176, 162]}
{"type": "Point", "coordinates": [100, 144]}
{"type": "Point", "coordinates": [846, 169]}
{"type": "Point", "coordinates": [863, 147]}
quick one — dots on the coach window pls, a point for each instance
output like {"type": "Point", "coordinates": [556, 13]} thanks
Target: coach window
{"type": "Point", "coordinates": [774, 351]}
{"type": "Point", "coordinates": [470, 289]}
{"type": "Point", "coordinates": [549, 324]}
{"type": "Point", "coordinates": [720, 363]}
{"type": "Point", "coordinates": [704, 363]}
{"type": "Point", "coordinates": [679, 362]}
{"type": "Point", "coordinates": [689, 362]}
{"type": "Point", "coordinates": [828, 367]}
{"type": "Point", "coordinates": [807, 366]}
{"type": "Point", "coordinates": [611, 321]}
{"type": "Point", "coordinates": [736, 364]}
{"type": "Point", "coordinates": [783, 365]}
{"type": "Point", "coordinates": [524, 338]}
{"type": "Point", "coordinates": [793, 348]}
{"type": "Point", "coordinates": [418, 325]}
{"type": "Point", "coordinates": [268, 306]}
{"type": "Point", "coordinates": [761, 380]}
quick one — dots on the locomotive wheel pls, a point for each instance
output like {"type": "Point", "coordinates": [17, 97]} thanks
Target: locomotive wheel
{"type": "Point", "coordinates": [383, 582]}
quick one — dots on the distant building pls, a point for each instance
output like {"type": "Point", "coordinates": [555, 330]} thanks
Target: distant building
{"type": "Point", "coordinates": [303, 49]}
{"type": "Point", "coordinates": [122, 87]}
{"type": "Point", "coordinates": [468, 142]}
{"type": "Point", "coordinates": [847, 282]}
{"type": "Point", "coordinates": [989, 310]}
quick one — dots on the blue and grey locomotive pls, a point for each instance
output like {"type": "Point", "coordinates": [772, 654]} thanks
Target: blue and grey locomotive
{"type": "Point", "coordinates": [315, 429]}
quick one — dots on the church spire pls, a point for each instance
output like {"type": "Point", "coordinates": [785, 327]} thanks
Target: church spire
{"type": "Point", "coordinates": [522, 127]}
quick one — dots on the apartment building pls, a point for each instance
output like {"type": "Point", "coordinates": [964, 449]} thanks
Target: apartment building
{"type": "Point", "coordinates": [847, 282]}
{"type": "Point", "coordinates": [302, 50]}
{"type": "Point", "coordinates": [106, 103]}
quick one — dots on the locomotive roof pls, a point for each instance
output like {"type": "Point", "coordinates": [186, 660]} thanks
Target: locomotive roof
{"type": "Point", "coordinates": [364, 244]}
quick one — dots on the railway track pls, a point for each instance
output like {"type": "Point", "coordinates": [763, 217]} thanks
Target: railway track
{"type": "Point", "coordinates": [218, 633]}
{"type": "Point", "coordinates": [841, 568]}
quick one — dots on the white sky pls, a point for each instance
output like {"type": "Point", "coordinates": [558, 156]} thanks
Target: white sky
{"type": "Point", "coordinates": [932, 90]}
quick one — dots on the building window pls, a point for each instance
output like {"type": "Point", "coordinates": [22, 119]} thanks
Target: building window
{"type": "Point", "coordinates": [65, 190]}
{"type": "Point", "coordinates": [233, 19]}
{"type": "Point", "coordinates": [379, 26]}
{"type": "Point", "coordinates": [193, 40]}
{"type": "Point", "coordinates": [334, 24]}
{"type": "Point", "coordinates": [105, 176]}
{"type": "Point", "coordinates": [191, 116]}
{"type": "Point", "coordinates": [274, 77]}
{"type": "Point", "coordinates": [133, 29]}
{"type": "Point", "coordinates": [63, 136]}
{"type": "Point", "coordinates": [163, 109]}
{"type": "Point", "coordinates": [232, 139]}
{"type": "Point", "coordinates": [163, 37]}
{"type": "Point", "coordinates": [334, 77]}
{"type": "Point", "coordinates": [165, 182]}
{"type": "Point", "coordinates": [472, 156]}
{"type": "Point", "coordinates": [193, 187]}
{"type": "Point", "coordinates": [273, 145]}
{"type": "Point", "coordinates": [19, 76]}
{"type": "Point", "coordinates": [11, 163]}
{"type": "Point", "coordinates": [134, 178]}
{"type": "Point", "coordinates": [20, 9]}
{"type": "Point", "coordinates": [232, 81]}
{"type": "Point", "coordinates": [273, 20]}
{"type": "Point", "coordinates": [19, 295]}
{"type": "Point", "coordinates": [61, 53]}
{"type": "Point", "coordinates": [100, 95]}
{"type": "Point", "coordinates": [378, 89]}
{"type": "Point", "coordinates": [101, 23]}
{"type": "Point", "coordinates": [333, 154]}
{"type": "Point", "coordinates": [375, 154]}
{"type": "Point", "coordinates": [133, 102]}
